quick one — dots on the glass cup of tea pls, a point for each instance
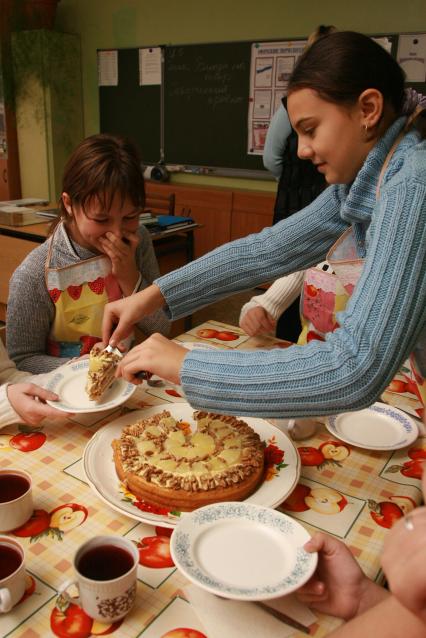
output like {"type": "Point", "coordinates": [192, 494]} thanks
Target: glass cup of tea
{"type": "Point", "coordinates": [12, 573]}
{"type": "Point", "coordinates": [16, 500]}
{"type": "Point", "coordinates": [106, 569]}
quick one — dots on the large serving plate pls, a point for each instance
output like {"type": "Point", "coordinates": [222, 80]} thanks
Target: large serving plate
{"type": "Point", "coordinates": [242, 551]}
{"type": "Point", "coordinates": [69, 382]}
{"type": "Point", "coordinates": [280, 479]}
{"type": "Point", "coordinates": [379, 427]}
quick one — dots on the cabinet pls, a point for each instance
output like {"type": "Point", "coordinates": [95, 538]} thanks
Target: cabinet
{"type": "Point", "coordinates": [49, 110]}
{"type": "Point", "coordinates": [225, 214]}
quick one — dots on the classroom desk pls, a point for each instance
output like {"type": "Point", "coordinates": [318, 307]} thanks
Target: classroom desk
{"type": "Point", "coordinates": [173, 248]}
{"type": "Point", "coordinates": [365, 488]}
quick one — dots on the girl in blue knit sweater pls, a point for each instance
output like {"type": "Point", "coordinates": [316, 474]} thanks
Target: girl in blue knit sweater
{"type": "Point", "coordinates": [346, 102]}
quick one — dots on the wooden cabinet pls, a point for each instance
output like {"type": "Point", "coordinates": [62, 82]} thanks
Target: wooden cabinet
{"type": "Point", "coordinates": [251, 212]}
{"type": "Point", "coordinates": [224, 214]}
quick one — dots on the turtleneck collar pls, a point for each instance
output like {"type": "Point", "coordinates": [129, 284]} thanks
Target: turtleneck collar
{"type": "Point", "coordinates": [361, 195]}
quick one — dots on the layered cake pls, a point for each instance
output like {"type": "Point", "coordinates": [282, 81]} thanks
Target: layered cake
{"type": "Point", "coordinates": [101, 373]}
{"type": "Point", "coordinates": [163, 462]}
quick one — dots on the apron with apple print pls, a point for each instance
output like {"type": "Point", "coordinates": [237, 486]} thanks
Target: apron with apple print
{"type": "Point", "coordinates": [79, 292]}
{"type": "Point", "coordinates": [326, 293]}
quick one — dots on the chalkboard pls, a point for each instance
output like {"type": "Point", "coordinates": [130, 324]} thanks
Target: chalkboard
{"type": "Point", "coordinates": [204, 119]}
{"type": "Point", "coordinates": [132, 110]}
{"type": "Point", "coordinates": [206, 105]}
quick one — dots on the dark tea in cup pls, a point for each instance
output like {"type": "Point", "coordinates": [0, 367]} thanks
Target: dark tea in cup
{"type": "Point", "coordinates": [12, 486]}
{"type": "Point", "coordinates": [10, 560]}
{"type": "Point", "coordinates": [105, 562]}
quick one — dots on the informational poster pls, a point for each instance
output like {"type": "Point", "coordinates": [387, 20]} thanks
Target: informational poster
{"type": "Point", "coordinates": [411, 56]}
{"type": "Point", "coordinates": [271, 67]}
{"type": "Point", "coordinates": [150, 66]}
{"type": "Point", "coordinates": [108, 68]}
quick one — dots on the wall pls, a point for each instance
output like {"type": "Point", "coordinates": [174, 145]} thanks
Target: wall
{"type": "Point", "coordinates": [131, 23]}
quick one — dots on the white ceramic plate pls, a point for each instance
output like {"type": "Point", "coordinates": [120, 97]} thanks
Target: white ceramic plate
{"type": "Point", "coordinates": [69, 382]}
{"type": "Point", "coordinates": [242, 551]}
{"type": "Point", "coordinates": [100, 470]}
{"type": "Point", "coordinates": [379, 427]}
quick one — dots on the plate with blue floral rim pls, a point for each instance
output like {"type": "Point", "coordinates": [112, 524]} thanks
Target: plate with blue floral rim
{"type": "Point", "coordinates": [69, 382]}
{"type": "Point", "coordinates": [242, 551]}
{"type": "Point", "coordinates": [282, 466]}
{"type": "Point", "coordinates": [379, 427]}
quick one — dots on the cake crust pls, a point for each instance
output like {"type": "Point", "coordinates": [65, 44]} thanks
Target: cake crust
{"type": "Point", "coordinates": [163, 463]}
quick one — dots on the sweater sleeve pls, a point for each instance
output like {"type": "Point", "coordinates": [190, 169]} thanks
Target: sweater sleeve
{"type": "Point", "coordinates": [148, 267]}
{"type": "Point", "coordinates": [276, 138]}
{"type": "Point", "coordinates": [30, 313]}
{"type": "Point", "coordinates": [278, 297]}
{"type": "Point", "coordinates": [293, 244]}
{"type": "Point", "coordinates": [378, 329]}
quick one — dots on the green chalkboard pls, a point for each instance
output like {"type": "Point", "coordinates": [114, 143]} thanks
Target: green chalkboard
{"type": "Point", "coordinates": [132, 110]}
{"type": "Point", "coordinates": [206, 105]}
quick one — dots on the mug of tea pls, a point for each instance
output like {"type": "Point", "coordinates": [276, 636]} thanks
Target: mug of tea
{"type": "Point", "coordinates": [16, 500]}
{"type": "Point", "coordinates": [12, 573]}
{"type": "Point", "coordinates": [106, 569]}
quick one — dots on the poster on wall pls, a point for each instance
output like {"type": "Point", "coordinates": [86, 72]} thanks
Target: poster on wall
{"type": "Point", "coordinates": [271, 66]}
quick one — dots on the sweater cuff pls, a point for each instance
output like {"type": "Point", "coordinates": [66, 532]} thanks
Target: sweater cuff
{"type": "Point", "coordinates": [8, 416]}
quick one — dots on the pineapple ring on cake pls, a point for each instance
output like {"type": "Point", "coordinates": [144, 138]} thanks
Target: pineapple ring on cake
{"type": "Point", "coordinates": [163, 463]}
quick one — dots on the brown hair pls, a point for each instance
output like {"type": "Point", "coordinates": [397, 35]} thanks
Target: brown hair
{"type": "Point", "coordinates": [342, 65]}
{"type": "Point", "coordinates": [101, 167]}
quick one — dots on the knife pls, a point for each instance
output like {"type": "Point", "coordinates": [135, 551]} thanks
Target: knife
{"type": "Point", "coordinates": [283, 617]}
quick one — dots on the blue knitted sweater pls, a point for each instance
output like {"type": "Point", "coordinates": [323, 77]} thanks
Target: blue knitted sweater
{"type": "Point", "coordinates": [380, 325]}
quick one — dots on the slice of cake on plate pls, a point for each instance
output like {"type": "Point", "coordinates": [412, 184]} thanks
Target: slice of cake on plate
{"type": "Point", "coordinates": [163, 462]}
{"type": "Point", "coordinates": [101, 373]}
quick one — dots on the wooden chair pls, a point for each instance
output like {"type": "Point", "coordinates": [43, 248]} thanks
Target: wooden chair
{"type": "Point", "coordinates": [161, 204]}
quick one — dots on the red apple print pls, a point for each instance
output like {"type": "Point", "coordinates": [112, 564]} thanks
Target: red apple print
{"type": "Point", "coordinates": [311, 290]}
{"type": "Point", "coordinates": [206, 333]}
{"type": "Point", "coordinates": [396, 385]}
{"type": "Point", "coordinates": [66, 517]}
{"type": "Point", "coordinates": [296, 501]}
{"type": "Point", "coordinates": [225, 335]}
{"type": "Point", "coordinates": [55, 294]}
{"type": "Point", "coordinates": [417, 452]}
{"type": "Point", "coordinates": [70, 621]}
{"type": "Point", "coordinates": [172, 392]}
{"type": "Point", "coordinates": [97, 286]}
{"type": "Point", "coordinates": [410, 469]}
{"type": "Point", "coordinates": [36, 525]}
{"type": "Point", "coordinates": [310, 456]}
{"type": "Point", "coordinates": [413, 469]}
{"type": "Point", "coordinates": [385, 514]}
{"type": "Point", "coordinates": [74, 292]}
{"type": "Point", "coordinates": [163, 531]}
{"type": "Point", "coordinates": [184, 632]}
{"type": "Point", "coordinates": [87, 344]}
{"type": "Point", "coordinates": [335, 451]}
{"type": "Point", "coordinates": [27, 442]}
{"type": "Point", "coordinates": [314, 336]}
{"type": "Point", "coordinates": [154, 551]}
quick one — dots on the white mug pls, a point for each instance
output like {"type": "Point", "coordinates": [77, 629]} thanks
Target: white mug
{"type": "Point", "coordinates": [104, 600]}
{"type": "Point", "coordinates": [17, 511]}
{"type": "Point", "coordinates": [12, 586]}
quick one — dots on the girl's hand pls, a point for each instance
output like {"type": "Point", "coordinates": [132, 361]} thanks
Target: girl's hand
{"type": "Point", "coordinates": [257, 321]}
{"type": "Point", "coordinates": [121, 251]}
{"type": "Point", "coordinates": [28, 401]}
{"type": "Point", "coordinates": [339, 586]}
{"type": "Point", "coordinates": [157, 355]}
{"type": "Point", "coordinates": [120, 316]}
{"type": "Point", "coordinates": [404, 559]}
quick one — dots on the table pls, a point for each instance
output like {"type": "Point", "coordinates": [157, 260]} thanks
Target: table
{"type": "Point", "coordinates": [362, 492]}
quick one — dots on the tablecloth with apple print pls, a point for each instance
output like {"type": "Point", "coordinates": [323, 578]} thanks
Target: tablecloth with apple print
{"type": "Point", "coordinates": [352, 493]}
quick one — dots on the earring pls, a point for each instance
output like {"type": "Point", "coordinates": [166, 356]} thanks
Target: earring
{"type": "Point", "coordinates": [366, 129]}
